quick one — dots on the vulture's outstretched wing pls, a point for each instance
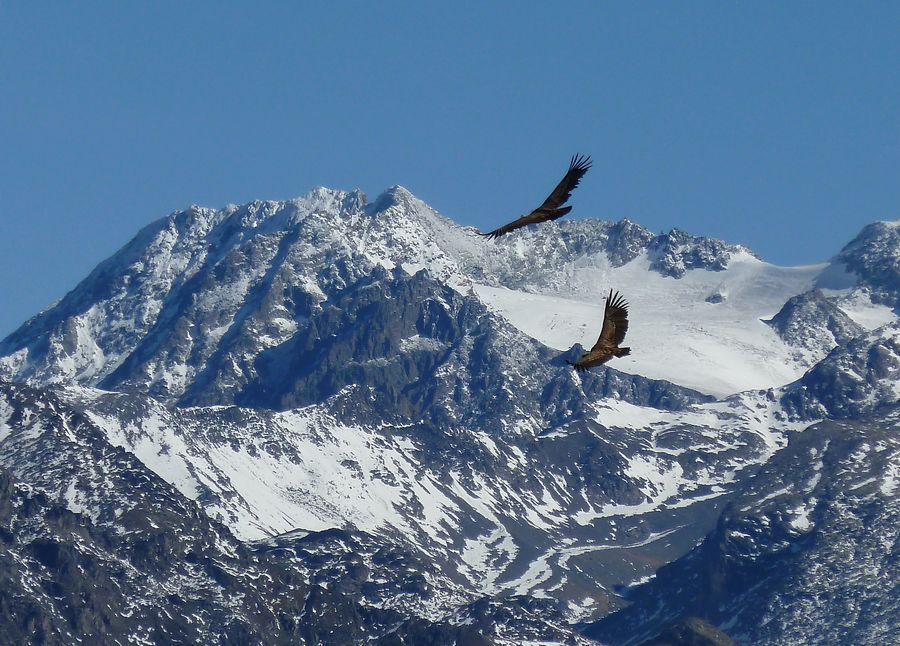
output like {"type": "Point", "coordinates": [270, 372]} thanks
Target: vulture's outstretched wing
{"type": "Point", "coordinates": [615, 322]}
{"type": "Point", "coordinates": [578, 166]}
{"type": "Point", "coordinates": [525, 220]}
{"type": "Point", "coordinates": [552, 207]}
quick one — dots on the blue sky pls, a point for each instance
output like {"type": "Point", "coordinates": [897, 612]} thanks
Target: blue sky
{"type": "Point", "coordinates": [776, 125]}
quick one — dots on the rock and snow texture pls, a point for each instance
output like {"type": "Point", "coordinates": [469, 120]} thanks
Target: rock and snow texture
{"type": "Point", "coordinates": [195, 298]}
{"type": "Point", "coordinates": [854, 380]}
{"type": "Point", "coordinates": [324, 362]}
{"type": "Point", "coordinates": [676, 333]}
{"type": "Point", "coordinates": [873, 259]}
{"type": "Point", "coordinates": [96, 548]}
{"type": "Point", "coordinates": [514, 512]}
{"type": "Point", "coordinates": [807, 553]}
{"type": "Point", "coordinates": [813, 325]}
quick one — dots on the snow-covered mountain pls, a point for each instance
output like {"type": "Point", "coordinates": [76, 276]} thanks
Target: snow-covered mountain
{"type": "Point", "coordinates": [328, 363]}
{"type": "Point", "coordinates": [808, 553]}
{"type": "Point", "coordinates": [198, 295]}
{"type": "Point", "coordinates": [120, 556]}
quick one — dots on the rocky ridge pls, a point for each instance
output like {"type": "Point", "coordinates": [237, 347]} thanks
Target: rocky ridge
{"type": "Point", "coordinates": [360, 371]}
{"type": "Point", "coordinates": [808, 552]}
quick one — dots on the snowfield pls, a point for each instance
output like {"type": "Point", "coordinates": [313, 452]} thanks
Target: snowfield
{"type": "Point", "coordinates": [674, 332]}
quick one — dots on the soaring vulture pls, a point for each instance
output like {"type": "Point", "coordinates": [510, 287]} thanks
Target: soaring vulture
{"type": "Point", "coordinates": [615, 325]}
{"type": "Point", "coordinates": [552, 208]}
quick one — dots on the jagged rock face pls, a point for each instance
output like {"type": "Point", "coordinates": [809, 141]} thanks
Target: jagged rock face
{"type": "Point", "coordinates": [473, 495]}
{"type": "Point", "coordinates": [874, 257]}
{"type": "Point", "coordinates": [386, 576]}
{"type": "Point", "coordinates": [542, 257]}
{"type": "Point", "coordinates": [67, 579]}
{"type": "Point", "coordinates": [692, 631]}
{"type": "Point", "coordinates": [419, 348]}
{"type": "Point", "coordinates": [807, 553]}
{"type": "Point", "coordinates": [188, 306]}
{"type": "Point", "coordinates": [183, 291]}
{"type": "Point", "coordinates": [676, 252]}
{"type": "Point", "coordinates": [622, 241]}
{"type": "Point", "coordinates": [854, 380]}
{"type": "Point", "coordinates": [413, 344]}
{"type": "Point", "coordinates": [371, 568]}
{"type": "Point", "coordinates": [814, 324]}
{"type": "Point", "coordinates": [140, 561]}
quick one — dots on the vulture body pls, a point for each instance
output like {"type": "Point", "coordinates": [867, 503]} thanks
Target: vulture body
{"type": "Point", "coordinates": [552, 208]}
{"type": "Point", "coordinates": [615, 325]}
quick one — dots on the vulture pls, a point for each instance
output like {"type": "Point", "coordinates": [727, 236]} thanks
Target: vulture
{"type": "Point", "coordinates": [615, 325]}
{"type": "Point", "coordinates": [552, 208]}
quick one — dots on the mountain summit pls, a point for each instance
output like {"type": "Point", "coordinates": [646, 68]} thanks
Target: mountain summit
{"type": "Point", "coordinates": [199, 295]}
{"type": "Point", "coordinates": [329, 376]}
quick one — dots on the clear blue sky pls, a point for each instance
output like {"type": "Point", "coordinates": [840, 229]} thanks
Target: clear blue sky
{"type": "Point", "coordinates": [776, 125]}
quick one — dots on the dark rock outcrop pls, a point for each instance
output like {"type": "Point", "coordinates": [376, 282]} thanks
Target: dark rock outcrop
{"type": "Point", "coordinates": [874, 258]}
{"type": "Point", "coordinates": [805, 554]}
{"type": "Point", "coordinates": [814, 324]}
{"type": "Point", "coordinates": [674, 253]}
{"type": "Point", "coordinates": [692, 631]}
{"type": "Point", "coordinates": [854, 380]}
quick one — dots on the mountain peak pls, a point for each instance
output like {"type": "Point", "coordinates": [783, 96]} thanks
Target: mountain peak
{"type": "Point", "coordinates": [873, 257]}
{"type": "Point", "coordinates": [394, 196]}
{"type": "Point", "coordinates": [324, 198]}
{"type": "Point", "coordinates": [203, 283]}
{"type": "Point", "coordinates": [873, 234]}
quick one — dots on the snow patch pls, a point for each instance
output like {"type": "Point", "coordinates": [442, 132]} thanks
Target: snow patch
{"type": "Point", "coordinates": [6, 412]}
{"type": "Point", "coordinates": [418, 343]}
{"type": "Point", "coordinates": [800, 516]}
{"type": "Point", "coordinates": [722, 349]}
{"type": "Point", "coordinates": [891, 480]}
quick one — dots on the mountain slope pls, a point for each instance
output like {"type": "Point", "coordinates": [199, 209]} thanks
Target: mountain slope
{"type": "Point", "coordinates": [854, 380]}
{"type": "Point", "coordinates": [196, 297]}
{"type": "Point", "coordinates": [350, 384]}
{"type": "Point", "coordinates": [436, 422]}
{"type": "Point", "coordinates": [808, 552]}
{"type": "Point", "coordinates": [95, 547]}
{"type": "Point", "coordinates": [873, 260]}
